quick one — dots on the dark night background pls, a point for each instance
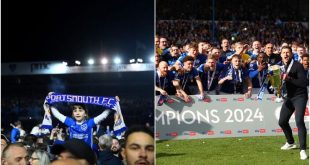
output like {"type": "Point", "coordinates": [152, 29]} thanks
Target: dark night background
{"type": "Point", "coordinates": [76, 30]}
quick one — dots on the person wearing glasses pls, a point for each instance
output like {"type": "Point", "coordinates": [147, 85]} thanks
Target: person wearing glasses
{"type": "Point", "coordinates": [39, 157]}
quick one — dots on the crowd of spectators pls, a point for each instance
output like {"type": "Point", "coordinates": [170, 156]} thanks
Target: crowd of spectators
{"type": "Point", "coordinates": [200, 68]}
{"type": "Point", "coordinates": [241, 10]}
{"type": "Point", "coordinates": [181, 32]}
{"type": "Point", "coordinates": [56, 147]}
{"type": "Point", "coordinates": [30, 111]}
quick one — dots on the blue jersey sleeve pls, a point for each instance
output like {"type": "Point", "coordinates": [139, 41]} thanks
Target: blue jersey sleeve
{"type": "Point", "coordinates": [14, 135]}
{"type": "Point", "coordinates": [69, 121]}
{"type": "Point", "coordinates": [200, 68]}
{"type": "Point", "coordinates": [253, 72]}
{"type": "Point", "coordinates": [91, 122]}
{"type": "Point", "coordinates": [195, 72]}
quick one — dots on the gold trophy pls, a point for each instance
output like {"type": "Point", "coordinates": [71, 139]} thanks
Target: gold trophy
{"type": "Point", "coordinates": [274, 77]}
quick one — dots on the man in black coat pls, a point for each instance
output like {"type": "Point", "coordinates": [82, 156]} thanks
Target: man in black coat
{"type": "Point", "coordinates": [295, 100]}
{"type": "Point", "coordinates": [105, 155]}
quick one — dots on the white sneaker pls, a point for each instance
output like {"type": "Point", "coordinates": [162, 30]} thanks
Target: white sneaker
{"type": "Point", "coordinates": [303, 155]}
{"type": "Point", "coordinates": [287, 146]}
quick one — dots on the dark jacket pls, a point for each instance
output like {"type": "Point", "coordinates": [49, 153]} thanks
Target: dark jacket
{"type": "Point", "coordinates": [297, 84]}
{"type": "Point", "coordinates": [106, 157]}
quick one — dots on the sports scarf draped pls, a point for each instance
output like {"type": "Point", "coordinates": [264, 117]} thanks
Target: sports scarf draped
{"type": "Point", "coordinates": [107, 102]}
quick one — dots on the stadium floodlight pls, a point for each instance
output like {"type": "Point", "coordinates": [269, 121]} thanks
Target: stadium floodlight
{"type": "Point", "coordinates": [104, 61]}
{"type": "Point", "coordinates": [152, 59]}
{"type": "Point", "coordinates": [132, 60]}
{"type": "Point", "coordinates": [139, 60]}
{"type": "Point", "coordinates": [91, 61]}
{"type": "Point", "coordinates": [77, 62]}
{"type": "Point", "coordinates": [117, 60]}
{"type": "Point", "coordinates": [64, 63]}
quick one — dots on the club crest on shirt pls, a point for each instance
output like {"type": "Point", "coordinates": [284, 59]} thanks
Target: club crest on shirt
{"type": "Point", "coordinates": [84, 127]}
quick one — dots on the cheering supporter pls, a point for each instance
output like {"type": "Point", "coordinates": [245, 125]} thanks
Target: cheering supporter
{"type": "Point", "coordinates": [240, 49]}
{"type": "Point", "coordinates": [57, 136]}
{"type": "Point", "coordinates": [139, 146]}
{"type": "Point", "coordinates": [39, 157]}
{"type": "Point", "coordinates": [225, 51]}
{"type": "Point", "coordinates": [188, 81]}
{"type": "Point", "coordinates": [106, 155]}
{"type": "Point", "coordinates": [14, 153]}
{"type": "Point", "coordinates": [234, 77]}
{"type": "Point", "coordinates": [198, 59]}
{"type": "Point", "coordinates": [115, 147]}
{"type": "Point", "coordinates": [299, 52]}
{"type": "Point", "coordinates": [80, 126]}
{"type": "Point", "coordinates": [15, 132]}
{"type": "Point", "coordinates": [209, 73]}
{"type": "Point", "coordinates": [256, 49]}
{"type": "Point", "coordinates": [272, 58]}
{"type": "Point", "coordinates": [257, 71]}
{"type": "Point", "coordinates": [164, 77]}
{"type": "Point", "coordinates": [216, 53]}
{"type": "Point", "coordinates": [163, 46]}
{"type": "Point", "coordinates": [171, 57]}
{"type": "Point", "coordinates": [203, 48]}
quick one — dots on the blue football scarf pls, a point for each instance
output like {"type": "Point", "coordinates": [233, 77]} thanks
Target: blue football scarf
{"type": "Point", "coordinates": [107, 102]}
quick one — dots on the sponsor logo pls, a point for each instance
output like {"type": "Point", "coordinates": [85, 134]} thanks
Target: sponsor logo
{"type": "Point", "coordinates": [226, 132]}
{"type": "Point", "coordinates": [240, 99]}
{"type": "Point", "coordinates": [210, 132]}
{"type": "Point", "coordinates": [245, 131]}
{"type": "Point", "coordinates": [173, 134]}
{"type": "Point", "coordinates": [192, 133]}
{"type": "Point", "coordinates": [208, 100]}
{"type": "Point", "coordinates": [222, 99]}
{"type": "Point", "coordinates": [279, 130]}
{"type": "Point", "coordinates": [262, 130]}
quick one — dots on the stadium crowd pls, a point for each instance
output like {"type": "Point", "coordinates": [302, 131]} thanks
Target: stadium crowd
{"type": "Point", "coordinates": [44, 147]}
{"type": "Point", "coordinates": [22, 132]}
{"type": "Point", "coordinates": [230, 55]}
{"type": "Point", "coordinates": [201, 68]}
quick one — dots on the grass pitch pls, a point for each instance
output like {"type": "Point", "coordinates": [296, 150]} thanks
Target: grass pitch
{"type": "Point", "coordinates": [228, 151]}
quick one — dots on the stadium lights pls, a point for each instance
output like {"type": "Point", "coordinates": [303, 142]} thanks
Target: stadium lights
{"type": "Point", "coordinates": [152, 59]}
{"type": "Point", "coordinates": [104, 61]}
{"type": "Point", "coordinates": [77, 62]}
{"type": "Point", "coordinates": [139, 60]}
{"type": "Point", "coordinates": [91, 61]}
{"type": "Point", "coordinates": [64, 63]}
{"type": "Point", "coordinates": [132, 60]}
{"type": "Point", "coordinates": [117, 60]}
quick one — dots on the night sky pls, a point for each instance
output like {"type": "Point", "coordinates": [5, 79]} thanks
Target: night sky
{"type": "Point", "coordinates": [75, 29]}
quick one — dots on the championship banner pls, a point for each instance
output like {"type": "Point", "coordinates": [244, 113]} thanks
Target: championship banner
{"type": "Point", "coordinates": [221, 116]}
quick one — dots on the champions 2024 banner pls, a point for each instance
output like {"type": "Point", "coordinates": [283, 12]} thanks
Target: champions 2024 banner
{"type": "Point", "coordinates": [221, 116]}
{"type": "Point", "coordinates": [106, 102]}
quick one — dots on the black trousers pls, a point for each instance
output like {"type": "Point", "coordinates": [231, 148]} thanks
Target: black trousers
{"type": "Point", "coordinates": [297, 104]}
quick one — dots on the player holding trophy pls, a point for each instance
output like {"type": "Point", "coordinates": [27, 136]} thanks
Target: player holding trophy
{"type": "Point", "coordinates": [294, 91]}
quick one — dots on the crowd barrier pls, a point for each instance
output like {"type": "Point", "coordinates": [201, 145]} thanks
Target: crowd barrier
{"type": "Point", "coordinates": [220, 116]}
